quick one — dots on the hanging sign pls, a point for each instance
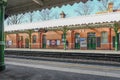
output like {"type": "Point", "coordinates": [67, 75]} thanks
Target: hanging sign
{"type": "Point", "coordinates": [53, 42]}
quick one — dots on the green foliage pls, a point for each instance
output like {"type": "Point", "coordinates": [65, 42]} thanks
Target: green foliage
{"type": "Point", "coordinates": [116, 27]}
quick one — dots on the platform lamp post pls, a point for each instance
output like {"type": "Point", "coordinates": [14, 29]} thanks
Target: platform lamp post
{"type": "Point", "coordinates": [3, 4]}
{"type": "Point", "coordinates": [116, 25]}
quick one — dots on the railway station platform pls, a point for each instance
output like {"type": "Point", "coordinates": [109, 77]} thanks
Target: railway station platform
{"type": "Point", "coordinates": [24, 69]}
{"type": "Point", "coordinates": [68, 50]}
{"type": "Point", "coordinates": [103, 57]}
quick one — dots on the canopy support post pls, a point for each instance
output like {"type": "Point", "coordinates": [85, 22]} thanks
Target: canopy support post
{"type": "Point", "coordinates": [116, 35]}
{"type": "Point", "coordinates": [2, 43]}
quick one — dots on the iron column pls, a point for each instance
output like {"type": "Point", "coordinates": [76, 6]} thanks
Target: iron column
{"type": "Point", "coordinates": [116, 35]}
{"type": "Point", "coordinates": [2, 10]}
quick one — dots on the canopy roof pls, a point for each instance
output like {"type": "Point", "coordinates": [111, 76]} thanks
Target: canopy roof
{"type": "Point", "coordinates": [21, 6]}
{"type": "Point", "coordinates": [80, 21]}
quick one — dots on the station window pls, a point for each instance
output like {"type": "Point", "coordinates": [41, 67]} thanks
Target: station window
{"type": "Point", "coordinates": [104, 37]}
{"type": "Point", "coordinates": [34, 38]}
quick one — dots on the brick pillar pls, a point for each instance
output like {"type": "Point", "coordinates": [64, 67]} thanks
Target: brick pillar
{"type": "Point", "coordinates": [40, 39]}
{"type": "Point", "coordinates": [72, 39]}
{"type": "Point", "coordinates": [110, 36]}
{"type": "Point", "coordinates": [17, 41]}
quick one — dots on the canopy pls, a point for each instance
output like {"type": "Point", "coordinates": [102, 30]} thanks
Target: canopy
{"type": "Point", "coordinates": [80, 21]}
{"type": "Point", "coordinates": [22, 6]}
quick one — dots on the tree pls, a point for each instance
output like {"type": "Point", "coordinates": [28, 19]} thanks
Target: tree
{"type": "Point", "coordinates": [15, 19]}
{"type": "Point", "coordinates": [84, 8]}
{"type": "Point", "coordinates": [47, 14]}
{"type": "Point", "coordinates": [103, 5]}
{"type": "Point", "coordinates": [118, 5]}
{"type": "Point", "coordinates": [30, 16]}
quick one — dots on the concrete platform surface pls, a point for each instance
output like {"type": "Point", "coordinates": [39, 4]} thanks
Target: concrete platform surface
{"type": "Point", "coordinates": [26, 73]}
{"type": "Point", "coordinates": [22, 69]}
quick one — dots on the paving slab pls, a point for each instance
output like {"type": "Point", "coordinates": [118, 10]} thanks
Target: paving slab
{"type": "Point", "coordinates": [13, 72]}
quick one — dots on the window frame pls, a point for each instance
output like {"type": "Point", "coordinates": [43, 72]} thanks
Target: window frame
{"type": "Point", "coordinates": [34, 39]}
{"type": "Point", "coordinates": [104, 37]}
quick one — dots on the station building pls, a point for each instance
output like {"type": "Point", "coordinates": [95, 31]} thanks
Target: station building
{"type": "Point", "coordinates": [91, 32]}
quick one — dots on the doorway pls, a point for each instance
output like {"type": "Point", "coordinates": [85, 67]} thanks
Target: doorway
{"type": "Point", "coordinates": [26, 43]}
{"type": "Point", "coordinates": [44, 41]}
{"type": "Point", "coordinates": [91, 41]}
{"type": "Point", "coordinates": [77, 41]}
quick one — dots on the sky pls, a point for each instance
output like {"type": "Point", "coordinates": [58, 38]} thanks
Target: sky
{"type": "Point", "coordinates": [70, 9]}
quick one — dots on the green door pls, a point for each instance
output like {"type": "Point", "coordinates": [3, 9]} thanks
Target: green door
{"type": "Point", "coordinates": [77, 41]}
{"type": "Point", "coordinates": [26, 43]}
{"type": "Point", "coordinates": [91, 41]}
{"type": "Point", "coordinates": [43, 41]}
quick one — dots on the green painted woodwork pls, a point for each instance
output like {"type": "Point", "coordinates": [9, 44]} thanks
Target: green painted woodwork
{"type": "Point", "coordinates": [116, 27]}
{"type": "Point", "coordinates": [64, 40]}
{"type": "Point", "coordinates": [2, 43]}
{"type": "Point", "coordinates": [91, 44]}
{"type": "Point", "coordinates": [30, 37]}
{"type": "Point", "coordinates": [65, 29]}
{"type": "Point", "coordinates": [44, 42]}
{"type": "Point", "coordinates": [91, 41]}
{"type": "Point", "coordinates": [77, 41]}
{"type": "Point", "coordinates": [116, 41]}
{"type": "Point", "coordinates": [26, 43]}
{"type": "Point", "coordinates": [44, 46]}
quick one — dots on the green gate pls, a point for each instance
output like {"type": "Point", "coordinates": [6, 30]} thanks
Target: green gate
{"type": "Point", "coordinates": [113, 41]}
{"type": "Point", "coordinates": [91, 41]}
{"type": "Point", "coordinates": [26, 43]}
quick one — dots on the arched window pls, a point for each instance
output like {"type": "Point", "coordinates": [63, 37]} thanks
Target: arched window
{"type": "Point", "coordinates": [34, 39]}
{"type": "Point", "coordinates": [104, 37]}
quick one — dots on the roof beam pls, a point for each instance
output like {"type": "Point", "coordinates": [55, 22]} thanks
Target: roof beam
{"type": "Point", "coordinates": [39, 2]}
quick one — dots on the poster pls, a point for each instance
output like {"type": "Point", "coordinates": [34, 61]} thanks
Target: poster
{"type": "Point", "coordinates": [58, 42]}
{"type": "Point", "coordinates": [83, 42]}
{"type": "Point", "coordinates": [48, 42]}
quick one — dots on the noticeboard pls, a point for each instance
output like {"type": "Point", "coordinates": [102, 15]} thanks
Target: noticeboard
{"type": "Point", "coordinates": [83, 42]}
{"type": "Point", "coordinates": [58, 42]}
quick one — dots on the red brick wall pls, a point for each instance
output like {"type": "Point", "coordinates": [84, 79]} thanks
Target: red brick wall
{"type": "Point", "coordinates": [57, 35]}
